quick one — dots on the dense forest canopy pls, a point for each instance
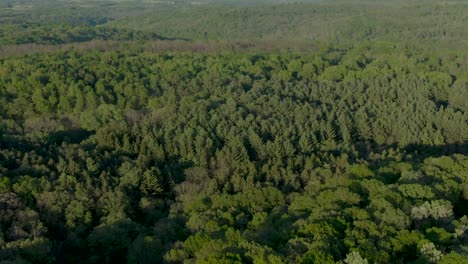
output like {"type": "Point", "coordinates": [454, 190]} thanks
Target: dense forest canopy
{"type": "Point", "coordinates": [233, 132]}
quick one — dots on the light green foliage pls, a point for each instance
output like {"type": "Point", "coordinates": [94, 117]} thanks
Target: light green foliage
{"type": "Point", "coordinates": [360, 170]}
{"type": "Point", "coordinates": [430, 253]}
{"type": "Point", "coordinates": [437, 209]}
{"type": "Point", "coordinates": [416, 191]}
{"type": "Point", "coordinates": [454, 258]}
{"type": "Point", "coordinates": [4, 185]}
{"type": "Point", "coordinates": [355, 258]}
{"type": "Point", "coordinates": [77, 215]}
{"type": "Point", "coordinates": [36, 250]}
{"type": "Point", "coordinates": [104, 114]}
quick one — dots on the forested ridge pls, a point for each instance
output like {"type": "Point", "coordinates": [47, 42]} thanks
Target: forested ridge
{"type": "Point", "coordinates": [163, 149]}
{"type": "Point", "coordinates": [326, 21]}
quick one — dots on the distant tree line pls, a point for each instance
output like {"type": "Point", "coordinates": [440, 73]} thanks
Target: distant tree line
{"type": "Point", "coordinates": [54, 35]}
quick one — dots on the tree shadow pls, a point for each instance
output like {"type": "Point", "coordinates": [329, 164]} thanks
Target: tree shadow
{"type": "Point", "coordinates": [422, 150]}
{"type": "Point", "coordinates": [437, 151]}
{"type": "Point", "coordinates": [72, 136]}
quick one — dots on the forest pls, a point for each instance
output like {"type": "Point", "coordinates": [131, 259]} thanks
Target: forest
{"type": "Point", "coordinates": [234, 132]}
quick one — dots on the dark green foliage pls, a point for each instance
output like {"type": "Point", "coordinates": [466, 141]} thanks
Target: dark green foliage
{"type": "Point", "coordinates": [191, 152]}
{"type": "Point", "coordinates": [230, 157]}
